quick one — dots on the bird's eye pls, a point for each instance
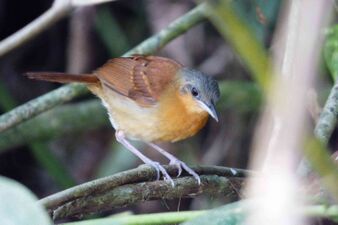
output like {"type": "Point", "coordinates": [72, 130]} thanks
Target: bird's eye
{"type": "Point", "coordinates": [194, 92]}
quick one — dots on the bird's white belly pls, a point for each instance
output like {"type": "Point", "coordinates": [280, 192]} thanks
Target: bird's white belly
{"type": "Point", "coordinates": [136, 122]}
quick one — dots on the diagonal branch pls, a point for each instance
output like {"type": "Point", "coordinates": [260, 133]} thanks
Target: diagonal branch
{"type": "Point", "coordinates": [59, 9]}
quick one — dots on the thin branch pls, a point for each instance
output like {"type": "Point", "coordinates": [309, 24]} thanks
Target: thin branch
{"type": "Point", "coordinates": [41, 104]}
{"type": "Point", "coordinates": [67, 119]}
{"type": "Point", "coordinates": [317, 157]}
{"type": "Point", "coordinates": [175, 29]}
{"type": "Point", "coordinates": [328, 117]}
{"type": "Point", "coordinates": [68, 92]}
{"type": "Point", "coordinates": [185, 187]}
{"type": "Point", "coordinates": [59, 9]}
{"type": "Point", "coordinates": [140, 174]}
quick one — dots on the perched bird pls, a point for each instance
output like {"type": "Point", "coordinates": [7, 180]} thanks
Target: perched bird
{"type": "Point", "coordinates": [151, 99]}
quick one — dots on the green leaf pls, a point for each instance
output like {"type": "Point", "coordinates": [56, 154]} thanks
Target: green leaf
{"type": "Point", "coordinates": [18, 205]}
{"type": "Point", "coordinates": [331, 51]}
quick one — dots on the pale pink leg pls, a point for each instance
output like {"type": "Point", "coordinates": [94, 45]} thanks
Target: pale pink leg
{"type": "Point", "coordinates": [120, 137]}
{"type": "Point", "coordinates": [178, 163]}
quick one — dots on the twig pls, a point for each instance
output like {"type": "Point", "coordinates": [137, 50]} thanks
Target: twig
{"type": "Point", "coordinates": [59, 9]}
{"type": "Point", "coordinates": [185, 187]}
{"type": "Point", "coordinates": [41, 104]}
{"type": "Point", "coordinates": [317, 157]}
{"type": "Point", "coordinates": [328, 117]}
{"type": "Point", "coordinates": [140, 174]}
{"type": "Point", "coordinates": [175, 29]}
{"type": "Point", "coordinates": [68, 92]}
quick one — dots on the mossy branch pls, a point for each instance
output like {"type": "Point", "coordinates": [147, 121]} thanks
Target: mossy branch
{"type": "Point", "coordinates": [88, 195]}
{"type": "Point", "coordinates": [126, 195]}
{"type": "Point", "coordinates": [328, 117]}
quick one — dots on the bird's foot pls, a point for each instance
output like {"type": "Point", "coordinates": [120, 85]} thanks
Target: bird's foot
{"type": "Point", "coordinates": [179, 164]}
{"type": "Point", "coordinates": [120, 137]}
{"type": "Point", "coordinates": [160, 169]}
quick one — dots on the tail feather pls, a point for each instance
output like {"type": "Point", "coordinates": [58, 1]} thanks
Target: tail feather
{"type": "Point", "coordinates": [62, 77]}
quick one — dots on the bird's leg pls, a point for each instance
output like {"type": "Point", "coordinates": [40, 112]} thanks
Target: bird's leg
{"type": "Point", "coordinates": [120, 137]}
{"type": "Point", "coordinates": [175, 161]}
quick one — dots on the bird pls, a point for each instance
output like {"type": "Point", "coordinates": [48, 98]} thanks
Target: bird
{"type": "Point", "coordinates": [151, 99]}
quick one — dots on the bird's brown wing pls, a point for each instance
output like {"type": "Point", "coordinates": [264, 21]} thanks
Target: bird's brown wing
{"type": "Point", "coordinates": [141, 78]}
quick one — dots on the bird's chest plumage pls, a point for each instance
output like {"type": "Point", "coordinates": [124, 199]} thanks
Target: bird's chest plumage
{"type": "Point", "coordinates": [168, 120]}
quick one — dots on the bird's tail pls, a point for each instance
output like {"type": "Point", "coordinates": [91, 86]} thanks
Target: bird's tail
{"type": "Point", "coordinates": [63, 77]}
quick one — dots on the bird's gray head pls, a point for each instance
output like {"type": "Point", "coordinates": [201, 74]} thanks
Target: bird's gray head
{"type": "Point", "coordinates": [202, 88]}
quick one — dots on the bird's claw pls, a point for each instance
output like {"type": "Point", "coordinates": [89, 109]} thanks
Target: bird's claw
{"type": "Point", "coordinates": [179, 164]}
{"type": "Point", "coordinates": [159, 168]}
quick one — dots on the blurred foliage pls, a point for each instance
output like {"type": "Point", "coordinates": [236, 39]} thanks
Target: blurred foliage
{"type": "Point", "coordinates": [234, 29]}
{"type": "Point", "coordinates": [110, 32]}
{"type": "Point", "coordinates": [244, 97]}
{"type": "Point", "coordinates": [260, 15]}
{"type": "Point", "coordinates": [18, 205]}
{"type": "Point", "coordinates": [39, 149]}
{"type": "Point", "coordinates": [331, 51]}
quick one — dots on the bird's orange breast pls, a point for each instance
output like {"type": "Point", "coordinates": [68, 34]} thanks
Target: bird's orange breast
{"type": "Point", "coordinates": [179, 117]}
{"type": "Point", "coordinates": [172, 119]}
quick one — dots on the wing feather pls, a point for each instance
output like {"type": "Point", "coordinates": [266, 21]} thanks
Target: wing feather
{"type": "Point", "coordinates": [141, 78]}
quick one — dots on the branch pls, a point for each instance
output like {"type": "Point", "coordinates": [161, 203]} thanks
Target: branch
{"type": "Point", "coordinates": [328, 117]}
{"type": "Point", "coordinates": [140, 174]}
{"type": "Point", "coordinates": [59, 9]}
{"type": "Point", "coordinates": [317, 156]}
{"type": "Point", "coordinates": [56, 123]}
{"type": "Point", "coordinates": [70, 91]}
{"type": "Point", "coordinates": [41, 104]}
{"type": "Point", "coordinates": [185, 187]}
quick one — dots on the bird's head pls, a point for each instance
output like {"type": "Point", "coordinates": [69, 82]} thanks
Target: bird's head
{"type": "Point", "coordinates": [200, 90]}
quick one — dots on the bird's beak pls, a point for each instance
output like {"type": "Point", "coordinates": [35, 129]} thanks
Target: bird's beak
{"type": "Point", "coordinates": [210, 108]}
